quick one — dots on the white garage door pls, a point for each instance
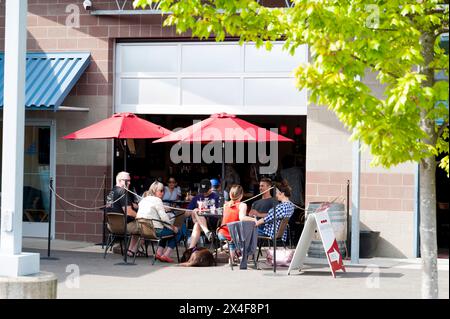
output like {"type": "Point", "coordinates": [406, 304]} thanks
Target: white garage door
{"type": "Point", "coordinates": [206, 78]}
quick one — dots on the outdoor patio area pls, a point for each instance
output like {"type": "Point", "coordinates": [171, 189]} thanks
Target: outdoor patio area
{"type": "Point", "coordinates": [103, 278]}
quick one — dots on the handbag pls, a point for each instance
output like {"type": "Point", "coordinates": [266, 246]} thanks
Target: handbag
{"type": "Point", "coordinates": [283, 256]}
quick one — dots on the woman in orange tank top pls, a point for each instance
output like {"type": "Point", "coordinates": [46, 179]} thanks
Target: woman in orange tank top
{"type": "Point", "coordinates": [234, 211]}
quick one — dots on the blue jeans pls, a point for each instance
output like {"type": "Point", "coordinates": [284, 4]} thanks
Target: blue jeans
{"type": "Point", "coordinates": [231, 245]}
{"type": "Point", "coordinates": [171, 242]}
{"type": "Point", "coordinates": [262, 233]}
{"type": "Point", "coordinates": [182, 232]}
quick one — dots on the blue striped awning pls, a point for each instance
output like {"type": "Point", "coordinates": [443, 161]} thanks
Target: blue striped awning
{"type": "Point", "coordinates": [49, 78]}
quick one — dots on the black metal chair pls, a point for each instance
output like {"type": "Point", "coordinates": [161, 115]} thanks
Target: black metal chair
{"type": "Point", "coordinates": [219, 245]}
{"type": "Point", "coordinates": [115, 226]}
{"type": "Point", "coordinates": [148, 233]}
{"type": "Point", "coordinates": [279, 236]}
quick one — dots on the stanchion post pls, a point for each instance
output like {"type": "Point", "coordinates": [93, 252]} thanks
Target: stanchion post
{"type": "Point", "coordinates": [50, 222]}
{"type": "Point", "coordinates": [104, 212]}
{"type": "Point", "coordinates": [274, 238]}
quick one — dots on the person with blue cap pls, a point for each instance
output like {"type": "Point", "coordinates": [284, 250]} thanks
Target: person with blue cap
{"type": "Point", "coordinates": [217, 189]}
{"type": "Point", "coordinates": [215, 182]}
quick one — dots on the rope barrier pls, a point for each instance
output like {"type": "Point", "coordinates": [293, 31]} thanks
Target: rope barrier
{"type": "Point", "coordinates": [169, 207]}
{"type": "Point", "coordinates": [80, 207]}
{"type": "Point", "coordinates": [209, 210]}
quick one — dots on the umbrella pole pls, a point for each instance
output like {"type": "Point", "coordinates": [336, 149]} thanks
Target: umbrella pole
{"type": "Point", "coordinates": [125, 239]}
{"type": "Point", "coordinates": [125, 155]}
{"type": "Point", "coordinates": [223, 167]}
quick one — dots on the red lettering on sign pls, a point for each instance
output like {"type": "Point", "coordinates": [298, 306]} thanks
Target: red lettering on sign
{"type": "Point", "coordinates": [323, 221]}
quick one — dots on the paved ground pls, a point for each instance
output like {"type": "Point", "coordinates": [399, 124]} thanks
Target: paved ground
{"type": "Point", "coordinates": [104, 278]}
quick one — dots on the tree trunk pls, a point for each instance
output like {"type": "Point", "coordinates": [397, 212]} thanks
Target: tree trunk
{"type": "Point", "coordinates": [428, 241]}
{"type": "Point", "coordinates": [428, 238]}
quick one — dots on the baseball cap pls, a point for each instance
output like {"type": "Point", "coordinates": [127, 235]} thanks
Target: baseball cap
{"type": "Point", "coordinates": [215, 182]}
{"type": "Point", "coordinates": [205, 186]}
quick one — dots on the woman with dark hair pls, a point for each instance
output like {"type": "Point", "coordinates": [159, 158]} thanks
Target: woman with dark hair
{"type": "Point", "coordinates": [172, 191]}
{"type": "Point", "coordinates": [284, 209]}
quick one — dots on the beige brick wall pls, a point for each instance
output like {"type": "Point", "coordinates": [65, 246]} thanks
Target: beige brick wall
{"type": "Point", "coordinates": [396, 232]}
{"type": "Point", "coordinates": [387, 195]}
{"type": "Point", "coordinates": [327, 142]}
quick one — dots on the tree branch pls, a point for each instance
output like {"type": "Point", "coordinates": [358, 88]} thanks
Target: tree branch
{"type": "Point", "coordinates": [442, 31]}
{"type": "Point", "coordinates": [380, 29]}
{"type": "Point", "coordinates": [373, 66]}
{"type": "Point", "coordinates": [442, 128]}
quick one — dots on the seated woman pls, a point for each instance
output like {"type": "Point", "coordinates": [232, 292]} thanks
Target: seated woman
{"type": "Point", "coordinates": [234, 211]}
{"type": "Point", "coordinates": [151, 207]}
{"type": "Point", "coordinates": [172, 192]}
{"type": "Point", "coordinates": [284, 209]}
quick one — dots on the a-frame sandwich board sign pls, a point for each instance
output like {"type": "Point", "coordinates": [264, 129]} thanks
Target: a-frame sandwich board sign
{"type": "Point", "coordinates": [318, 220]}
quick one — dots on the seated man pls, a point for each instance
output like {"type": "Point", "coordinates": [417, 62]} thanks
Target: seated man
{"type": "Point", "coordinates": [209, 199]}
{"type": "Point", "coordinates": [117, 199]}
{"type": "Point", "coordinates": [261, 207]}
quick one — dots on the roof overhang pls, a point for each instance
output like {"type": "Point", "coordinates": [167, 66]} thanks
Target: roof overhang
{"type": "Point", "coordinates": [49, 78]}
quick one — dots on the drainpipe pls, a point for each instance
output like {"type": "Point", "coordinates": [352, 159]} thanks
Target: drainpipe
{"type": "Point", "coordinates": [356, 178]}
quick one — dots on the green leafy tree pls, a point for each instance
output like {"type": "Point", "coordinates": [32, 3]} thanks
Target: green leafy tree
{"type": "Point", "coordinates": [398, 40]}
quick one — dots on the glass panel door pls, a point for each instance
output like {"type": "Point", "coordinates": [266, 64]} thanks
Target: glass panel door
{"type": "Point", "coordinates": [37, 172]}
{"type": "Point", "coordinates": [36, 200]}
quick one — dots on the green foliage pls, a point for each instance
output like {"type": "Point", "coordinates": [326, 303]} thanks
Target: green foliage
{"type": "Point", "coordinates": [348, 40]}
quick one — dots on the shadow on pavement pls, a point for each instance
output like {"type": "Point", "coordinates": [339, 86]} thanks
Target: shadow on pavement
{"type": "Point", "coordinates": [341, 274]}
{"type": "Point", "coordinates": [93, 263]}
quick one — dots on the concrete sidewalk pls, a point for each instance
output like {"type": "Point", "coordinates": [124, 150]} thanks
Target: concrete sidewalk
{"type": "Point", "coordinates": [104, 278]}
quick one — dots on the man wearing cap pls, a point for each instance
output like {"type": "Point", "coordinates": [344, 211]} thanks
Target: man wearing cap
{"type": "Point", "coordinates": [210, 200]}
{"type": "Point", "coordinates": [217, 189]}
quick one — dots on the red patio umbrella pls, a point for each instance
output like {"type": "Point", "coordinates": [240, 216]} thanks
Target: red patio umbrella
{"type": "Point", "coordinates": [120, 126]}
{"type": "Point", "coordinates": [223, 127]}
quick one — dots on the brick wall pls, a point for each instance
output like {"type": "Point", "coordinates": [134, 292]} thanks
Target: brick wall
{"type": "Point", "coordinates": [379, 191]}
{"type": "Point", "coordinates": [82, 186]}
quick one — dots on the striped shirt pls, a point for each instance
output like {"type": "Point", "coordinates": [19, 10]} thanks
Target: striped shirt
{"type": "Point", "coordinates": [282, 210]}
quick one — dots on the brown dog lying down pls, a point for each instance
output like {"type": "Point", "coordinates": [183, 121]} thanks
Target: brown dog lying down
{"type": "Point", "coordinates": [197, 257]}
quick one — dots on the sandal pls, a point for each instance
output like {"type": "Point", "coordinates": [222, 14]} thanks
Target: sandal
{"type": "Point", "coordinates": [141, 253]}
